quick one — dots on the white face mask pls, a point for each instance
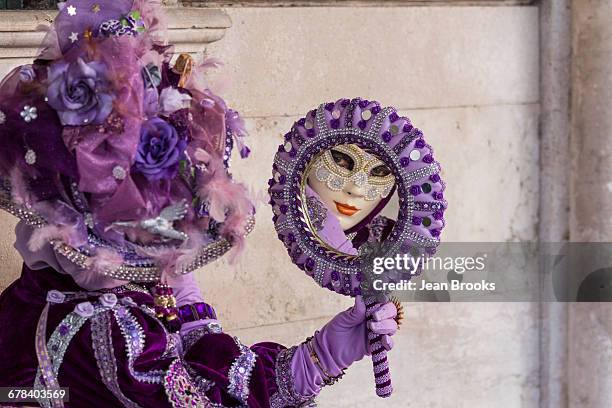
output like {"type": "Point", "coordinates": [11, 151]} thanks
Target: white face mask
{"type": "Point", "coordinates": [351, 182]}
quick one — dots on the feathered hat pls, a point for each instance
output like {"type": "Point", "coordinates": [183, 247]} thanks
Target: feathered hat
{"type": "Point", "coordinates": [118, 157]}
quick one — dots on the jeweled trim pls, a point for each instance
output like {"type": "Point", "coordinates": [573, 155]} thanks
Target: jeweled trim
{"type": "Point", "coordinates": [286, 396]}
{"type": "Point", "coordinates": [58, 344]}
{"type": "Point", "coordinates": [194, 335]}
{"type": "Point", "coordinates": [102, 343]}
{"type": "Point", "coordinates": [134, 337]}
{"type": "Point", "coordinates": [180, 389]}
{"type": "Point", "coordinates": [239, 373]}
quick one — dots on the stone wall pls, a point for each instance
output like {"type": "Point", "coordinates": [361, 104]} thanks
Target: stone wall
{"type": "Point", "coordinates": [469, 78]}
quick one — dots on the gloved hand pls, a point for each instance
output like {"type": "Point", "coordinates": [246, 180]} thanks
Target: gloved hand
{"type": "Point", "coordinates": [340, 343]}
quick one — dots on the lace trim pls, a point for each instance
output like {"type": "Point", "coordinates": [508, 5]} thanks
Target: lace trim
{"type": "Point", "coordinates": [102, 343]}
{"type": "Point", "coordinates": [239, 373]}
{"type": "Point", "coordinates": [286, 396]}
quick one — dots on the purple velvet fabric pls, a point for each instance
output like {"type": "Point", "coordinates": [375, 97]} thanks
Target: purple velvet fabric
{"type": "Point", "coordinates": [211, 356]}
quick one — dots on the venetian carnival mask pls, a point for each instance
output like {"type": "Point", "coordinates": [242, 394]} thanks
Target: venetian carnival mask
{"type": "Point", "coordinates": [350, 182]}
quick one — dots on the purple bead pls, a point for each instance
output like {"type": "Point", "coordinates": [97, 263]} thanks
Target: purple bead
{"type": "Point", "coordinates": [361, 124]}
{"type": "Point", "coordinates": [282, 179]}
{"type": "Point", "coordinates": [335, 275]}
{"type": "Point", "coordinates": [419, 144]}
{"type": "Point", "coordinates": [345, 103]}
{"type": "Point", "coordinates": [359, 276]}
{"type": "Point", "coordinates": [292, 153]}
{"type": "Point", "coordinates": [435, 232]}
{"type": "Point", "coordinates": [356, 291]}
{"type": "Point", "coordinates": [407, 127]}
{"type": "Point", "coordinates": [363, 103]}
{"type": "Point", "coordinates": [63, 330]}
{"type": "Point", "coordinates": [375, 110]}
{"type": "Point", "coordinates": [415, 190]}
{"type": "Point", "coordinates": [438, 215]}
{"type": "Point", "coordinates": [281, 149]}
{"type": "Point", "coordinates": [301, 122]}
{"type": "Point", "coordinates": [330, 106]}
{"type": "Point", "coordinates": [417, 220]}
{"type": "Point", "coordinates": [290, 237]}
{"type": "Point", "coordinates": [310, 132]}
{"type": "Point", "coordinates": [393, 117]}
{"type": "Point", "coordinates": [309, 264]}
{"type": "Point", "coordinates": [438, 195]}
{"type": "Point", "coordinates": [335, 123]}
{"type": "Point", "coordinates": [274, 218]}
{"type": "Point", "coordinates": [283, 209]}
{"type": "Point", "coordinates": [428, 158]}
{"type": "Point", "coordinates": [404, 161]}
{"type": "Point", "coordinates": [435, 178]}
{"type": "Point", "coordinates": [386, 136]}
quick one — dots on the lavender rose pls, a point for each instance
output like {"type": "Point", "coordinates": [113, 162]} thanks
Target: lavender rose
{"type": "Point", "coordinates": [79, 92]}
{"type": "Point", "coordinates": [159, 150]}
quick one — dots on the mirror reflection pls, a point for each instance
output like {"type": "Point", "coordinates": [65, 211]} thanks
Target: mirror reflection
{"type": "Point", "coordinates": [346, 189]}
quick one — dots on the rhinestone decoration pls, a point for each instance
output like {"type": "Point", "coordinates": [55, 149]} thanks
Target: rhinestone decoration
{"type": "Point", "coordinates": [2, 118]}
{"type": "Point", "coordinates": [119, 172]}
{"type": "Point", "coordinates": [286, 396]}
{"type": "Point", "coordinates": [181, 389]}
{"type": "Point", "coordinates": [308, 124]}
{"type": "Point", "coordinates": [29, 113]}
{"type": "Point", "coordinates": [71, 10]}
{"type": "Point", "coordinates": [102, 345]}
{"type": "Point", "coordinates": [336, 114]}
{"type": "Point", "coordinates": [239, 373]}
{"type": "Point", "coordinates": [366, 114]}
{"type": "Point", "coordinates": [30, 157]}
{"type": "Point", "coordinates": [288, 146]}
{"type": "Point", "coordinates": [134, 337]}
{"type": "Point", "coordinates": [73, 37]}
{"type": "Point", "coordinates": [415, 155]}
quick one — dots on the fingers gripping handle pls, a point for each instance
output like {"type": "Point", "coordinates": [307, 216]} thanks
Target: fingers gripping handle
{"type": "Point", "coordinates": [382, 376]}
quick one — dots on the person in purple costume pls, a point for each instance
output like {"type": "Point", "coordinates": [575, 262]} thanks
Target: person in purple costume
{"type": "Point", "coordinates": [115, 160]}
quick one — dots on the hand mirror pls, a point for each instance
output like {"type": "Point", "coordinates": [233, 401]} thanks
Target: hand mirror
{"type": "Point", "coordinates": [353, 180]}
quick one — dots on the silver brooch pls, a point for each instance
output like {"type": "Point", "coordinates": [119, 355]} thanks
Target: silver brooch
{"type": "Point", "coordinates": [162, 225]}
{"type": "Point", "coordinates": [29, 113]}
{"type": "Point", "coordinates": [30, 157]}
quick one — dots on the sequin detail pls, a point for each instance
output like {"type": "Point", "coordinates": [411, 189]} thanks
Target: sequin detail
{"type": "Point", "coordinates": [181, 390]}
{"type": "Point", "coordinates": [239, 373]}
{"type": "Point", "coordinates": [286, 396]}
{"type": "Point", "coordinates": [317, 212]}
{"type": "Point", "coordinates": [102, 343]}
{"type": "Point", "coordinates": [194, 335]}
{"type": "Point", "coordinates": [134, 337]}
{"type": "Point", "coordinates": [58, 344]}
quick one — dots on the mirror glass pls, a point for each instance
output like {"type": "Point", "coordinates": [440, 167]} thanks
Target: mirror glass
{"type": "Point", "coordinates": [345, 193]}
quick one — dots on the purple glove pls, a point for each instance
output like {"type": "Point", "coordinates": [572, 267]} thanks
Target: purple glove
{"type": "Point", "coordinates": [340, 343]}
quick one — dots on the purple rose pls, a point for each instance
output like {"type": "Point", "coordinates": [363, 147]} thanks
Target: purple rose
{"type": "Point", "coordinates": [79, 92]}
{"type": "Point", "coordinates": [159, 150]}
{"type": "Point", "coordinates": [27, 74]}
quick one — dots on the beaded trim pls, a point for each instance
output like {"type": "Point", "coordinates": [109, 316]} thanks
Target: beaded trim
{"type": "Point", "coordinates": [134, 337]}
{"type": "Point", "coordinates": [180, 389]}
{"type": "Point", "coordinates": [239, 373]}
{"type": "Point", "coordinates": [58, 344]}
{"type": "Point", "coordinates": [102, 343]}
{"type": "Point", "coordinates": [286, 396]}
